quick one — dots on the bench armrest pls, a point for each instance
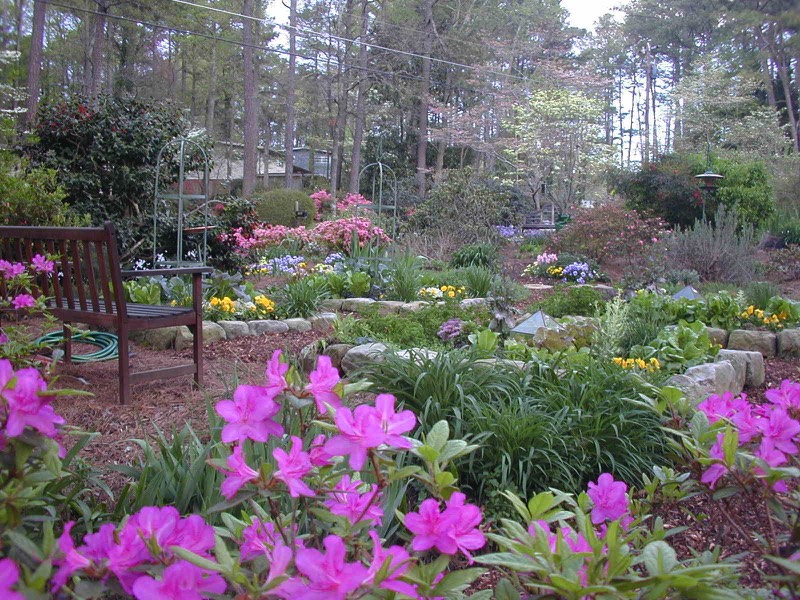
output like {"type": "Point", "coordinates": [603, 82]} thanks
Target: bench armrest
{"type": "Point", "coordinates": [167, 272]}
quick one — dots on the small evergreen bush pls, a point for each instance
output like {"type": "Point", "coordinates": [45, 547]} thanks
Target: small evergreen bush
{"type": "Point", "coordinates": [483, 255]}
{"type": "Point", "coordinates": [277, 207]}
{"type": "Point", "coordinates": [576, 301]}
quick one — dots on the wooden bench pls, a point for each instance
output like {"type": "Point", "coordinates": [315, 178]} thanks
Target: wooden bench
{"type": "Point", "coordinates": [86, 287]}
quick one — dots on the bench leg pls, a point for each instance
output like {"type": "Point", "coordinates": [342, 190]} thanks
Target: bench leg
{"type": "Point", "coordinates": [67, 332]}
{"type": "Point", "coordinates": [197, 353]}
{"type": "Point", "coordinates": [124, 367]}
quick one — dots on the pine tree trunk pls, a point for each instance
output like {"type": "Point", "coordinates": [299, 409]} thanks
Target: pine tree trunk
{"type": "Point", "coordinates": [250, 162]}
{"type": "Point", "coordinates": [424, 98]}
{"type": "Point", "coordinates": [211, 101]}
{"type": "Point", "coordinates": [361, 102]}
{"type": "Point", "coordinates": [290, 84]}
{"type": "Point", "coordinates": [98, 49]}
{"type": "Point", "coordinates": [35, 61]}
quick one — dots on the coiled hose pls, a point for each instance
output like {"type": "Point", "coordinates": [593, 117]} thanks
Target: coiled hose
{"type": "Point", "coordinates": [107, 342]}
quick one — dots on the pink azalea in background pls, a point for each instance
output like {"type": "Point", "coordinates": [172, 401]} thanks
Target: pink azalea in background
{"type": "Point", "coordinates": [325, 576]}
{"type": "Point", "coordinates": [23, 301]}
{"type": "Point", "coordinates": [3, 337]}
{"type": "Point", "coordinates": [275, 374]}
{"type": "Point", "coordinates": [292, 467]}
{"type": "Point", "coordinates": [347, 500]}
{"type": "Point", "coordinates": [42, 265]}
{"type": "Point", "coordinates": [323, 380]}
{"type": "Point", "coordinates": [10, 270]}
{"type": "Point", "coordinates": [609, 498]}
{"type": "Point", "coordinates": [25, 405]}
{"type": "Point", "coordinates": [394, 424]}
{"type": "Point", "coordinates": [787, 395]}
{"type": "Point", "coordinates": [452, 530]}
{"type": "Point", "coordinates": [399, 561]}
{"type": "Point", "coordinates": [239, 474]}
{"type": "Point", "coordinates": [360, 431]}
{"type": "Point", "coordinates": [249, 415]}
{"type": "Point", "coordinates": [179, 581]}
{"type": "Point", "coordinates": [9, 575]}
{"type": "Point", "coordinates": [714, 472]}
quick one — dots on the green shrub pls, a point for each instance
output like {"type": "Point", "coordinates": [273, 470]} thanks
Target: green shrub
{"type": "Point", "coordinates": [482, 254]}
{"type": "Point", "coordinates": [718, 250]}
{"type": "Point", "coordinates": [759, 293]}
{"type": "Point", "coordinates": [679, 347]}
{"type": "Point", "coordinates": [478, 281]}
{"type": "Point", "coordinates": [786, 226]}
{"type": "Point", "coordinates": [722, 310]}
{"type": "Point", "coordinates": [33, 196]}
{"type": "Point", "coordinates": [405, 278]}
{"type": "Point", "coordinates": [302, 297]}
{"type": "Point", "coordinates": [538, 430]}
{"type": "Point", "coordinates": [277, 207]}
{"type": "Point", "coordinates": [574, 300]}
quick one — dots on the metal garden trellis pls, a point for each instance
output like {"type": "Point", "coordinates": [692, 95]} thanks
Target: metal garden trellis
{"type": "Point", "coordinates": [180, 261]}
{"type": "Point", "coordinates": [380, 171]}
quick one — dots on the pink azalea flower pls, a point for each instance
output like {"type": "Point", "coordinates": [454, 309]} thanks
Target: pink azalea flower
{"type": "Point", "coordinates": [769, 453]}
{"type": "Point", "coordinates": [194, 534]}
{"type": "Point", "coordinates": [179, 581]}
{"type": "Point", "coordinates": [239, 474]}
{"type": "Point", "coordinates": [324, 576]}
{"type": "Point", "coordinates": [452, 530]}
{"type": "Point", "coordinates": [319, 457]}
{"type": "Point", "coordinates": [722, 407]}
{"type": "Point", "coordinates": [249, 414]}
{"type": "Point", "coordinates": [9, 575]}
{"type": "Point", "coordinates": [263, 539]}
{"type": "Point", "coordinates": [275, 374]}
{"type": "Point", "coordinates": [609, 498]}
{"type": "Point", "coordinates": [746, 422]}
{"type": "Point", "coordinates": [394, 424]}
{"type": "Point", "coordinates": [397, 561]}
{"type": "Point", "coordinates": [780, 429]}
{"type": "Point", "coordinates": [788, 395]}
{"type": "Point", "coordinates": [70, 560]}
{"type": "Point", "coordinates": [360, 430]}
{"type": "Point", "coordinates": [23, 301]}
{"type": "Point", "coordinates": [25, 405]}
{"type": "Point", "coordinates": [292, 467]}
{"type": "Point", "coordinates": [346, 500]}
{"type": "Point", "coordinates": [11, 270]}
{"type": "Point", "coordinates": [42, 265]}
{"type": "Point", "coordinates": [323, 380]}
{"type": "Point", "coordinates": [714, 472]}
{"type": "Point", "coordinates": [3, 337]}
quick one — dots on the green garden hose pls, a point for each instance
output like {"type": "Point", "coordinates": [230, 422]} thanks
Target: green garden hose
{"type": "Point", "coordinates": [107, 342]}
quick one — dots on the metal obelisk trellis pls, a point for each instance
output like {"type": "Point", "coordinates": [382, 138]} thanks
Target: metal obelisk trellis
{"type": "Point", "coordinates": [181, 197]}
{"type": "Point", "coordinates": [387, 213]}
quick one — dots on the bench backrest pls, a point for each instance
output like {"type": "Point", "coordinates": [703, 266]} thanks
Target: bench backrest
{"type": "Point", "coordinates": [87, 275]}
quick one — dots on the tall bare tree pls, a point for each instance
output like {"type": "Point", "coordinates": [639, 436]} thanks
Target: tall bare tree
{"type": "Point", "coordinates": [250, 103]}
{"type": "Point", "coordinates": [35, 60]}
{"type": "Point", "coordinates": [290, 99]}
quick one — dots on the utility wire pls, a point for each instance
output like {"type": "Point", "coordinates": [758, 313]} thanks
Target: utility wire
{"type": "Point", "coordinates": [352, 41]}
{"type": "Point", "coordinates": [255, 46]}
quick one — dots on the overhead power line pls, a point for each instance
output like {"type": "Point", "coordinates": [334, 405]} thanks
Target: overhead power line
{"type": "Point", "coordinates": [334, 63]}
{"type": "Point", "coordinates": [311, 32]}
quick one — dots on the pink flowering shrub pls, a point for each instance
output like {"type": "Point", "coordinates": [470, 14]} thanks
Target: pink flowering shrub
{"type": "Point", "coordinates": [268, 548]}
{"type": "Point", "coordinates": [19, 291]}
{"type": "Point", "coordinates": [347, 206]}
{"type": "Point", "coordinates": [332, 235]}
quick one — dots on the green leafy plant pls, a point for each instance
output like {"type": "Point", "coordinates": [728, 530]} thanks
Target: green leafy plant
{"type": "Point", "coordinates": [723, 310]}
{"type": "Point", "coordinates": [302, 297]}
{"type": "Point", "coordinates": [404, 278]}
{"type": "Point", "coordinates": [481, 254]}
{"type": "Point", "coordinates": [478, 281]}
{"type": "Point", "coordinates": [573, 300]}
{"type": "Point", "coordinates": [679, 347]}
{"type": "Point", "coordinates": [147, 291]}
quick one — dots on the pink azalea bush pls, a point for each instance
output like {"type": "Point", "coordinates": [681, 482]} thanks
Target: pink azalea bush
{"type": "Point", "coordinates": [337, 235]}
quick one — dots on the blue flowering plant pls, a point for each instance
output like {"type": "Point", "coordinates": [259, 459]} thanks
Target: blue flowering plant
{"type": "Point", "coordinates": [579, 272]}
